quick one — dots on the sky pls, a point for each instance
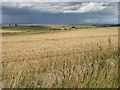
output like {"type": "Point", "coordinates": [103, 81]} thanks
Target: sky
{"type": "Point", "coordinates": [60, 0]}
{"type": "Point", "coordinates": [60, 12]}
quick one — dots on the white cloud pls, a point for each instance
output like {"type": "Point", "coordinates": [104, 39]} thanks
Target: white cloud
{"type": "Point", "coordinates": [60, 7]}
{"type": "Point", "coordinates": [92, 7]}
{"type": "Point", "coordinates": [86, 8]}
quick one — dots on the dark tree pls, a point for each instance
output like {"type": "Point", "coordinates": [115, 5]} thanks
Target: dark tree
{"type": "Point", "coordinates": [15, 24]}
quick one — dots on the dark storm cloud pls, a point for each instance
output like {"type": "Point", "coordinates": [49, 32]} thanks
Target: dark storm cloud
{"type": "Point", "coordinates": [15, 11]}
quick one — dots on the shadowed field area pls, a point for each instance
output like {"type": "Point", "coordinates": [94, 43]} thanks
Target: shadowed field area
{"type": "Point", "coordinates": [76, 58]}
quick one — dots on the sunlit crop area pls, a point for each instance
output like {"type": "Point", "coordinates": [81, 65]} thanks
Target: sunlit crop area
{"type": "Point", "coordinates": [85, 58]}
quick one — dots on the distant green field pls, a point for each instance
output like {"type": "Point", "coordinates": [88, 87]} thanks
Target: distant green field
{"type": "Point", "coordinates": [44, 27]}
{"type": "Point", "coordinates": [47, 28]}
{"type": "Point", "coordinates": [27, 29]}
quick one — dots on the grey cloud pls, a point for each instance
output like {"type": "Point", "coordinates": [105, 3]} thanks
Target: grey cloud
{"type": "Point", "coordinates": [60, 0]}
{"type": "Point", "coordinates": [54, 13]}
{"type": "Point", "coordinates": [59, 7]}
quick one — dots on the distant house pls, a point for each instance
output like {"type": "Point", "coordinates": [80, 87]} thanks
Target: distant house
{"type": "Point", "coordinates": [68, 28]}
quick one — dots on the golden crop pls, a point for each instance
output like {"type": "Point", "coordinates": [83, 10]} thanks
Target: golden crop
{"type": "Point", "coordinates": [80, 58]}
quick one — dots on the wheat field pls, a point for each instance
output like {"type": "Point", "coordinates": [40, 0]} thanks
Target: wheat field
{"type": "Point", "coordinates": [85, 58]}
